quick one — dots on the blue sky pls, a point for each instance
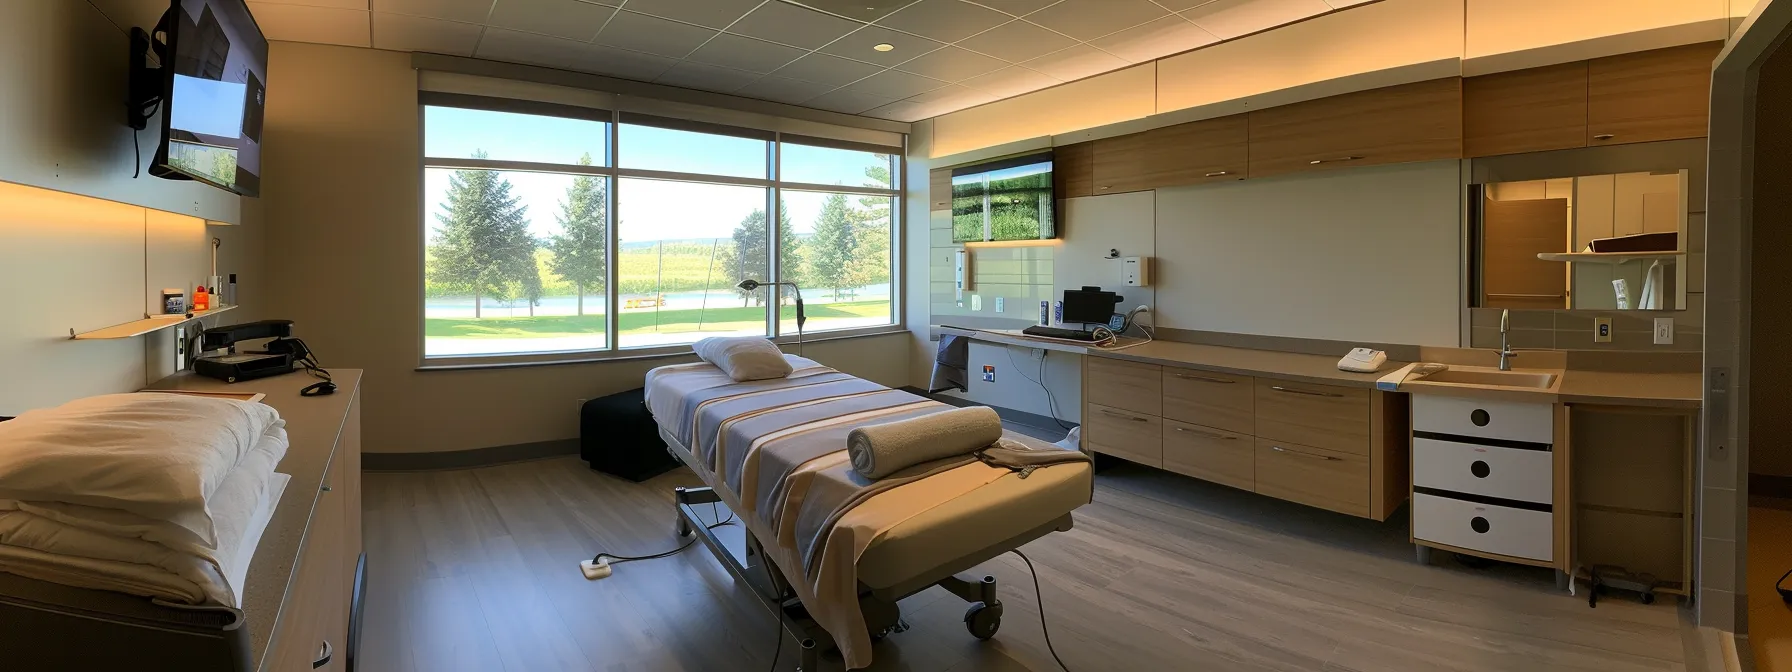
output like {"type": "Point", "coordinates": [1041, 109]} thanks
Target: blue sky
{"type": "Point", "coordinates": [208, 106]}
{"type": "Point", "coordinates": [648, 209]}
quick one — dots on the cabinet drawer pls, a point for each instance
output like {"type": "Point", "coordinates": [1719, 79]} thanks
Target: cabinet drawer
{"type": "Point", "coordinates": [1507, 473]}
{"type": "Point", "coordinates": [1209, 454]}
{"type": "Point", "coordinates": [1324, 416]}
{"type": "Point", "coordinates": [1125, 434]}
{"type": "Point", "coordinates": [1313, 476]}
{"type": "Point", "coordinates": [1207, 398]}
{"type": "Point", "coordinates": [1125, 385]}
{"type": "Point", "coordinates": [1504, 530]}
{"type": "Point", "coordinates": [1484, 418]}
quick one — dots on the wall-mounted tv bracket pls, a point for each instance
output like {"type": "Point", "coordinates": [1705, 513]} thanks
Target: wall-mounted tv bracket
{"type": "Point", "coordinates": [147, 79]}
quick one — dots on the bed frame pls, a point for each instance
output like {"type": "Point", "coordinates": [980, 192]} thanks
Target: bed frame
{"type": "Point", "coordinates": [879, 604]}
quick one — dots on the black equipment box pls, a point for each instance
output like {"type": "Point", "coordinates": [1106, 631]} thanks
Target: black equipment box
{"type": "Point", "coordinates": [618, 436]}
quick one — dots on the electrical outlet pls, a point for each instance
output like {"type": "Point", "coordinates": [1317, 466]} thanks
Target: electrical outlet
{"type": "Point", "coordinates": [976, 302]}
{"type": "Point", "coordinates": [1664, 331]}
{"type": "Point", "coordinates": [1602, 330]}
{"type": "Point", "coordinates": [999, 304]}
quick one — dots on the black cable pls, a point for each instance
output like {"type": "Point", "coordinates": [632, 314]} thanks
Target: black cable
{"type": "Point", "coordinates": [1051, 401]}
{"type": "Point", "coordinates": [137, 151]}
{"type": "Point", "coordinates": [778, 649]}
{"type": "Point", "coordinates": [1040, 597]}
{"type": "Point", "coordinates": [619, 559]}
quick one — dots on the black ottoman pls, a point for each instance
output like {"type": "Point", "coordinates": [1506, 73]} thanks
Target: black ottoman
{"type": "Point", "coordinates": [618, 436]}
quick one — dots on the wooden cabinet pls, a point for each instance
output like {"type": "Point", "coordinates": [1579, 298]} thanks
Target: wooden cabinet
{"type": "Point", "coordinates": [1132, 436]}
{"type": "Point", "coordinates": [1396, 124]}
{"type": "Point", "coordinates": [1530, 110]}
{"type": "Point", "coordinates": [1646, 96]}
{"type": "Point", "coordinates": [939, 189]}
{"type": "Point", "coordinates": [1324, 416]}
{"type": "Point", "coordinates": [1192, 153]}
{"type": "Point", "coordinates": [1125, 385]}
{"type": "Point", "coordinates": [1209, 454]}
{"type": "Point", "coordinates": [1313, 476]}
{"type": "Point", "coordinates": [1212, 399]}
{"type": "Point", "coordinates": [1073, 170]}
{"type": "Point", "coordinates": [314, 621]}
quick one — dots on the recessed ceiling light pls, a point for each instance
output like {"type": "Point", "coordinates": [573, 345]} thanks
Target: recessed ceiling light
{"type": "Point", "coordinates": [886, 46]}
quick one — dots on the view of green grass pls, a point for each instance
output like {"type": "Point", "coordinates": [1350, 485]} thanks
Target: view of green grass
{"type": "Point", "coordinates": [641, 321]}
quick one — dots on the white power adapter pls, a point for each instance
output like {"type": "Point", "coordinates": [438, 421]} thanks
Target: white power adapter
{"type": "Point", "coordinates": [596, 570]}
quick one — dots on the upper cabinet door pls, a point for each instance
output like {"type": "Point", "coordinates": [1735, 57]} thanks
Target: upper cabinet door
{"type": "Point", "coordinates": [1191, 153]}
{"type": "Point", "coordinates": [939, 189]}
{"type": "Point", "coordinates": [1663, 94]}
{"type": "Point", "coordinates": [1073, 170]}
{"type": "Point", "coordinates": [1533, 110]}
{"type": "Point", "coordinates": [1396, 124]}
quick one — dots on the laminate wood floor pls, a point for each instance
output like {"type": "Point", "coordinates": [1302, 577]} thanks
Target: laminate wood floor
{"type": "Point", "coordinates": [477, 570]}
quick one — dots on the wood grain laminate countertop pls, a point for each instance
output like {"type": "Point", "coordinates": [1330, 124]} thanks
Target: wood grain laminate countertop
{"type": "Point", "coordinates": [1669, 390]}
{"type": "Point", "coordinates": [313, 427]}
{"type": "Point", "coordinates": [1321, 369]}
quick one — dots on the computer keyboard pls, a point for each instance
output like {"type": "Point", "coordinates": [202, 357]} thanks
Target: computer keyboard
{"type": "Point", "coordinates": [1054, 332]}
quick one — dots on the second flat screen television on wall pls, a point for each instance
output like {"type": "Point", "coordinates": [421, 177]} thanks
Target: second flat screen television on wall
{"type": "Point", "coordinates": [216, 91]}
{"type": "Point", "coordinates": [1007, 199]}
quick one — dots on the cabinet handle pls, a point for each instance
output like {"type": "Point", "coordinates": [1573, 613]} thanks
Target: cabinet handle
{"type": "Point", "coordinates": [324, 488]}
{"type": "Point", "coordinates": [1286, 451]}
{"type": "Point", "coordinates": [1604, 136]}
{"type": "Point", "coordinates": [324, 654]}
{"type": "Point", "coordinates": [1104, 187]}
{"type": "Point", "coordinates": [1133, 418]}
{"type": "Point", "coordinates": [1210, 435]}
{"type": "Point", "coordinates": [1218, 173]}
{"type": "Point", "coordinates": [1316, 162]}
{"type": "Point", "coordinates": [1309, 393]}
{"type": "Point", "coordinates": [1204, 379]}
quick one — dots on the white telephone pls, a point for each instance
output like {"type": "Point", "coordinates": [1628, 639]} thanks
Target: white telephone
{"type": "Point", "coordinates": [1363, 360]}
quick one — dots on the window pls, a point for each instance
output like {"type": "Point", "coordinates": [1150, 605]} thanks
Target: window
{"type": "Point", "coordinates": [552, 229]}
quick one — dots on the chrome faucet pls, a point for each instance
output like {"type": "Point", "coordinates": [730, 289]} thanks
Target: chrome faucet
{"type": "Point", "coordinates": [1506, 353]}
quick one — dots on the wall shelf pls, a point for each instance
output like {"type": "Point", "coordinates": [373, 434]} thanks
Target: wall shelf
{"type": "Point", "coordinates": [1607, 257]}
{"type": "Point", "coordinates": [145, 325]}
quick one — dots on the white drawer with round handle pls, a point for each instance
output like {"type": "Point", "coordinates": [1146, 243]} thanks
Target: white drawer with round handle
{"type": "Point", "coordinates": [1507, 473]}
{"type": "Point", "coordinates": [1504, 530]}
{"type": "Point", "coordinates": [1485, 418]}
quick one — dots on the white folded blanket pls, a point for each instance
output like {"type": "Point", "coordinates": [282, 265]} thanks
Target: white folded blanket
{"type": "Point", "coordinates": [160, 456]}
{"type": "Point", "coordinates": [111, 549]}
{"type": "Point", "coordinates": [883, 449]}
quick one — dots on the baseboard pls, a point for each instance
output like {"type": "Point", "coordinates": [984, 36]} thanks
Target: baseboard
{"type": "Point", "coordinates": [1008, 414]}
{"type": "Point", "coordinates": [467, 459]}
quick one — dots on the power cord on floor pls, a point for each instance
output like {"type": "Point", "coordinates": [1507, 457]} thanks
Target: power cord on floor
{"type": "Point", "coordinates": [599, 565]}
{"type": "Point", "coordinates": [777, 650]}
{"type": "Point", "coordinates": [1040, 598]}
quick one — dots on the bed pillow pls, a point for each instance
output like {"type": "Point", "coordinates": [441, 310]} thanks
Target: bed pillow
{"type": "Point", "coordinates": [744, 358]}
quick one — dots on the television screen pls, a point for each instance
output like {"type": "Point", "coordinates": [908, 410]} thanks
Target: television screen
{"type": "Point", "coordinates": [1010, 199]}
{"type": "Point", "coordinates": [216, 92]}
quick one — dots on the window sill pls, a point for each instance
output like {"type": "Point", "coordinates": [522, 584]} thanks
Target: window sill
{"type": "Point", "coordinates": [602, 356]}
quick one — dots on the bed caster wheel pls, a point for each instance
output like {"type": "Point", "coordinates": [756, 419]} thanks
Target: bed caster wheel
{"type": "Point", "coordinates": [684, 528]}
{"type": "Point", "coordinates": [1648, 598]}
{"type": "Point", "coordinates": [983, 619]}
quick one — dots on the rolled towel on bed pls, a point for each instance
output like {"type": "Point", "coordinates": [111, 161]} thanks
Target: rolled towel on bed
{"type": "Point", "coordinates": [880, 450]}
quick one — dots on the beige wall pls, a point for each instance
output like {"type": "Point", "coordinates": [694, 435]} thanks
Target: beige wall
{"type": "Point", "coordinates": [343, 206]}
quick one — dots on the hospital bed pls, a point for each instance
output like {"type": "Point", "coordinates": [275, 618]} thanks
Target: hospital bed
{"type": "Point", "coordinates": [931, 541]}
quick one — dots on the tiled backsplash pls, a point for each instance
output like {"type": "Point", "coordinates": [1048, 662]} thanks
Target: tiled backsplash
{"type": "Point", "coordinates": [1573, 329]}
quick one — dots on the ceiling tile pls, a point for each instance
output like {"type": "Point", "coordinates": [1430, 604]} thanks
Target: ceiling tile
{"type": "Point", "coordinates": [904, 111]}
{"type": "Point", "coordinates": [338, 4]}
{"type": "Point", "coordinates": [619, 63]}
{"type": "Point", "coordinates": [858, 46]}
{"type": "Point", "coordinates": [784, 89]}
{"type": "Point", "coordinates": [398, 32]}
{"type": "Point", "coordinates": [1157, 39]}
{"type": "Point", "coordinates": [793, 25]}
{"type": "Point", "coordinates": [1089, 19]}
{"type": "Point", "coordinates": [1234, 18]}
{"type": "Point", "coordinates": [1017, 41]}
{"type": "Point", "coordinates": [707, 77]}
{"type": "Point", "coordinates": [323, 25]}
{"type": "Point", "coordinates": [500, 44]}
{"type": "Point", "coordinates": [944, 20]}
{"type": "Point", "coordinates": [1009, 82]}
{"type": "Point", "coordinates": [850, 102]}
{"type": "Point", "coordinates": [470, 11]}
{"type": "Point", "coordinates": [1076, 63]}
{"type": "Point", "coordinates": [955, 96]}
{"type": "Point", "coordinates": [745, 53]}
{"type": "Point", "coordinates": [860, 10]}
{"type": "Point", "coordinates": [830, 70]}
{"type": "Point", "coordinates": [1016, 7]}
{"type": "Point", "coordinates": [653, 35]}
{"type": "Point", "coordinates": [1179, 5]}
{"type": "Point", "coordinates": [570, 19]}
{"type": "Point", "coordinates": [953, 64]}
{"type": "Point", "coordinates": [712, 13]}
{"type": "Point", "coordinates": [895, 84]}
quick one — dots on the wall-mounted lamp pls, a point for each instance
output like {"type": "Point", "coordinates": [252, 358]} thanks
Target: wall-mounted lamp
{"type": "Point", "coordinates": [749, 284]}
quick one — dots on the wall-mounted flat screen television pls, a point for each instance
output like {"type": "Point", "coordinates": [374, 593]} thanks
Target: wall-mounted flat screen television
{"type": "Point", "coordinates": [215, 66]}
{"type": "Point", "coordinates": [1006, 199]}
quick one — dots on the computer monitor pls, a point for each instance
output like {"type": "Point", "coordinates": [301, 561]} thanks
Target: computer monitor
{"type": "Point", "coordinates": [1089, 305]}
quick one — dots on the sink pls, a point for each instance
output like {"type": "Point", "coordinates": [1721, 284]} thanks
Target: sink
{"type": "Point", "coordinates": [1492, 378]}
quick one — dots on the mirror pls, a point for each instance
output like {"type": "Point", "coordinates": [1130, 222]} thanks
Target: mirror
{"type": "Point", "coordinates": [1602, 242]}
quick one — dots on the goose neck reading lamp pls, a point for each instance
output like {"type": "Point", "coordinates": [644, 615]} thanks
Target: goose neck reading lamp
{"type": "Point", "coordinates": [750, 284]}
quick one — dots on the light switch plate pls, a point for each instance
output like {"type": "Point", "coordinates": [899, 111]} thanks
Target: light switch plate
{"type": "Point", "coordinates": [999, 304]}
{"type": "Point", "coordinates": [1664, 331]}
{"type": "Point", "coordinates": [1602, 330]}
{"type": "Point", "coordinates": [976, 302]}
